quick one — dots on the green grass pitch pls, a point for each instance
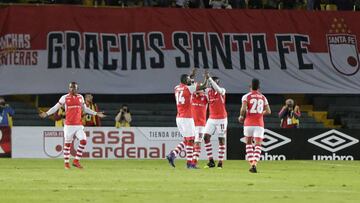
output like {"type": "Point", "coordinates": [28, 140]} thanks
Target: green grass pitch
{"type": "Point", "coordinates": [44, 180]}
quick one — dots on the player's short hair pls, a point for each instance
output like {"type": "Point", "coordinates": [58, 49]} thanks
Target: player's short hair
{"type": "Point", "coordinates": [73, 84]}
{"type": "Point", "coordinates": [183, 78]}
{"type": "Point", "coordinates": [255, 84]}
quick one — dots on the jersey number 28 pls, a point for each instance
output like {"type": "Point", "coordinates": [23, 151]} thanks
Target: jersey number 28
{"type": "Point", "coordinates": [257, 105]}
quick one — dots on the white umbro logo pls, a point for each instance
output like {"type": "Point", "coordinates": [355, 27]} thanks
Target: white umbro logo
{"type": "Point", "coordinates": [272, 140]}
{"type": "Point", "coordinates": [333, 140]}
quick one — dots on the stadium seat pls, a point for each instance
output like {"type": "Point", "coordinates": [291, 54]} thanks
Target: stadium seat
{"type": "Point", "coordinates": [88, 3]}
{"type": "Point", "coordinates": [331, 7]}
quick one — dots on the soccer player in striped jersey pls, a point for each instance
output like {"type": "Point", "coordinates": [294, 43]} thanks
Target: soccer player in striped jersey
{"type": "Point", "coordinates": [217, 122]}
{"type": "Point", "coordinates": [254, 107]}
{"type": "Point", "coordinates": [74, 105]}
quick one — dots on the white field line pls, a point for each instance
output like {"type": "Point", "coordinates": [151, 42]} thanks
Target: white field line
{"type": "Point", "coordinates": [180, 190]}
{"type": "Point", "coordinates": [330, 164]}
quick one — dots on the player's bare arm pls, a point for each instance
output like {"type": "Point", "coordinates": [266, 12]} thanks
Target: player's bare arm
{"type": "Point", "coordinates": [91, 112]}
{"type": "Point", "coordinates": [43, 114]}
{"type": "Point", "coordinates": [203, 85]}
{"type": "Point", "coordinates": [242, 112]}
{"type": "Point", "coordinates": [52, 110]}
{"type": "Point", "coordinates": [214, 84]}
{"type": "Point", "coordinates": [193, 73]}
{"type": "Point", "coordinates": [267, 110]}
{"type": "Point", "coordinates": [101, 114]}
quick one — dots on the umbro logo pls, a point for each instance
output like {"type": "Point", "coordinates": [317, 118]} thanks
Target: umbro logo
{"type": "Point", "coordinates": [333, 140]}
{"type": "Point", "coordinates": [272, 140]}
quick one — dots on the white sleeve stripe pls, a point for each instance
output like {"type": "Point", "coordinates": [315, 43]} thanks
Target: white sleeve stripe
{"type": "Point", "coordinates": [192, 88]}
{"type": "Point", "coordinates": [89, 111]}
{"type": "Point", "coordinates": [244, 98]}
{"type": "Point", "coordinates": [266, 101]}
{"type": "Point", "coordinates": [216, 87]}
{"type": "Point", "coordinates": [53, 109]}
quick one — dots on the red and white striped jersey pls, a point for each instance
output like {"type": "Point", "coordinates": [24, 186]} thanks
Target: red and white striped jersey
{"type": "Point", "coordinates": [73, 108]}
{"type": "Point", "coordinates": [217, 108]}
{"type": "Point", "coordinates": [199, 105]}
{"type": "Point", "coordinates": [256, 103]}
{"type": "Point", "coordinates": [183, 99]}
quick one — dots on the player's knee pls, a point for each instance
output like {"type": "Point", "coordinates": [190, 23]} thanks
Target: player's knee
{"type": "Point", "coordinates": [189, 140]}
{"type": "Point", "coordinates": [83, 142]}
{"type": "Point", "coordinates": [207, 138]}
{"type": "Point", "coordinates": [248, 140]}
{"type": "Point", "coordinates": [196, 147]}
{"type": "Point", "coordinates": [221, 140]}
{"type": "Point", "coordinates": [258, 140]}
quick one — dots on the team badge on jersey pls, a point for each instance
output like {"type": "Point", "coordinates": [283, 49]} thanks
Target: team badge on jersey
{"type": "Point", "coordinates": [342, 47]}
{"type": "Point", "coordinates": [53, 143]}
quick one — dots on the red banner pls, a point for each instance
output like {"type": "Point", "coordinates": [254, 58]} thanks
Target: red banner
{"type": "Point", "coordinates": [39, 21]}
{"type": "Point", "coordinates": [122, 51]}
{"type": "Point", "coordinates": [5, 141]}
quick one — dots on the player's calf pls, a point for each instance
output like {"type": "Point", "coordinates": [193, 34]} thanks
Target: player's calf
{"type": "Point", "coordinates": [189, 146]}
{"type": "Point", "coordinates": [196, 153]}
{"type": "Point", "coordinates": [67, 147]}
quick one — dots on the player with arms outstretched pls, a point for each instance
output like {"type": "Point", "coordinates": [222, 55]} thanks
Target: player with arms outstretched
{"type": "Point", "coordinates": [254, 107]}
{"type": "Point", "coordinates": [74, 105]}
{"type": "Point", "coordinates": [217, 122]}
{"type": "Point", "coordinates": [184, 117]}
